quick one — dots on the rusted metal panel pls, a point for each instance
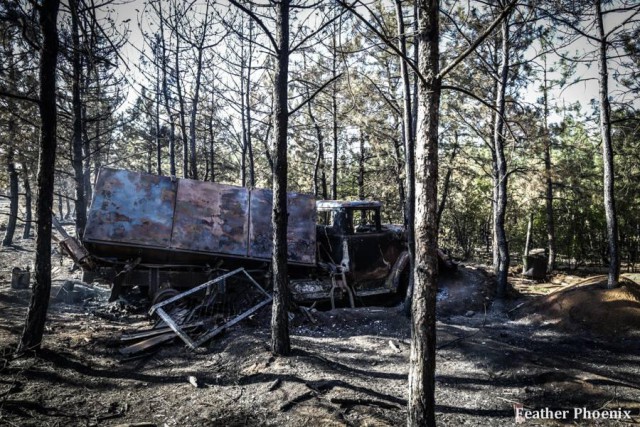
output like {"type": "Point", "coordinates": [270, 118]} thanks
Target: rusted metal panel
{"type": "Point", "coordinates": [161, 219]}
{"type": "Point", "coordinates": [301, 230]}
{"type": "Point", "coordinates": [211, 217]}
{"type": "Point", "coordinates": [260, 230]}
{"type": "Point", "coordinates": [131, 208]}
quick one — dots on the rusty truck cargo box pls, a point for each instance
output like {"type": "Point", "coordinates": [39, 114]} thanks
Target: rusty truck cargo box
{"type": "Point", "coordinates": [161, 220]}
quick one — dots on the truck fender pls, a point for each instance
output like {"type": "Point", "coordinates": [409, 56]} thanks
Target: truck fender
{"type": "Point", "coordinates": [394, 277]}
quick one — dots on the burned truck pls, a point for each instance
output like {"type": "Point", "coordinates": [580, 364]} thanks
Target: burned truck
{"type": "Point", "coordinates": [164, 233]}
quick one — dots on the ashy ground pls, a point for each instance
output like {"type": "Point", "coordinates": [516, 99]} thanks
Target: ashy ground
{"type": "Point", "coordinates": [560, 345]}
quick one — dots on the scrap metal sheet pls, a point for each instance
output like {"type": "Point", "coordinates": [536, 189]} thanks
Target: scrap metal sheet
{"type": "Point", "coordinates": [301, 229]}
{"type": "Point", "coordinates": [211, 217]}
{"type": "Point", "coordinates": [131, 208]}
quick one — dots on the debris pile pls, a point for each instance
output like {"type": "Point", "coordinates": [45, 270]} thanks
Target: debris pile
{"type": "Point", "coordinates": [199, 314]}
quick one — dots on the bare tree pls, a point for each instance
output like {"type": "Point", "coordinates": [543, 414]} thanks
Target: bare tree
{"type": "Point", "coordinates": [607, 151]}
{"type": "Point", "coordinates": [499, 137]}
{"type": "Point", "coordinates": [34, 328]}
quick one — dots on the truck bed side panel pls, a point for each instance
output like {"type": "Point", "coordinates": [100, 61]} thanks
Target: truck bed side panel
{"type": "Point", "coordinates": [211, 217]}
{"type": "Point", "coordinates": [301, 230]}
{"type": "Point", "coordinates": [133, 208]}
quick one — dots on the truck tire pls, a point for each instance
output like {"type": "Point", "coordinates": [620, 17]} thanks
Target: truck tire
{"type": "Point", "coordinates": [163, 295]}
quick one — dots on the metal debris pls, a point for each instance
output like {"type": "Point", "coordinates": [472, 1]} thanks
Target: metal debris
{"type": "Point", "coordinates": [201, 313]}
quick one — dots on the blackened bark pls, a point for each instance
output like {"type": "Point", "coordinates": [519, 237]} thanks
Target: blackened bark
{"type": "Point", "coordinates": [34, 328]}
{"type": "Point", "coordinates": [196, 98]}
{"type": "Point", "coordinates": [551, 234]}
{"type": "Point", "coordinates": [527, 244]}
{"type": "Point", "coordinates": [607, 154]}
{"type": "Point", "coordinates": [157, 124]}
{"type": "Point", "coordinates": [447, 180]}
{"type": "Point", "coordinates": [182, 113]}
{"type": "Point", "coordinates": [13, 199]}
{"type": "Point", "coordinates": [400, 165]}
{"type": "Point", "coordinates": [76, 142]}
{"type": "Point", "coordinates": [334, 117]}
{"type": "Point", "coordinates": [212, 153]}
{"type": "Point", "coordinates": [494, 169]}
{"type": "Point", "coordinates": [166, 97]}
{"type": "Point", "coordinates": [28, 200]}
{"type": "Point", "coordinates": [252, 168]}
{"type": "Point", "coordinates": [361, 171]}
{"type": "Point", "coordinates": [91, 154]}
{"type": "Point", "coordinates": [421, 405]}
{"type": "Point", "coordinates": [409, 139]}
{"type": "Point", "coordinates": [280, 343]}
{"type": "Point", "coordinates": [243, 114]}
{"type": "Point", "coordinates": [416, 47]}
{"type": "Point", "coordinates": [502, 269]}
{"type": "Point", "coordinates": [319, 175]}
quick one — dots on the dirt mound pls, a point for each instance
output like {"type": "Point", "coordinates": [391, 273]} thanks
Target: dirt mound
{"type": "Point", "coordinates": [589, 306]}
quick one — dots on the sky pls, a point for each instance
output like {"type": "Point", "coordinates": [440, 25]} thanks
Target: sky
{"type": "Point", "coordinates": [584, 92]}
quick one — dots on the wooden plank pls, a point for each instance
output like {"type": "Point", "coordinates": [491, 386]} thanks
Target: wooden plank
{"type": "Point", "coordinates": [147, 344]}
{"type": "Point", "coordinates": [148, 333]}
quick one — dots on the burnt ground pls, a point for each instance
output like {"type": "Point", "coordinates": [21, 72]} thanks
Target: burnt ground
{"type": "Point", "coordinates": [349, 367]}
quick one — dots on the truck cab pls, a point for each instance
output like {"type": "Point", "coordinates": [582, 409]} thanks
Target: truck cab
{"type": "Point", "coordinates": [359, 256]}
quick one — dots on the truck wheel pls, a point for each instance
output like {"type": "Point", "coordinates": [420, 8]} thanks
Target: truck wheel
{"type": "Point", "coordinates": [163, 295]}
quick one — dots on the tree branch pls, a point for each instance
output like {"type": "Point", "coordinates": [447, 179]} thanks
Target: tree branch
{"type": "Point", "coordinates": [388, 42]}
{"type": "Point", "coordinates": [314, 94]}
{"type": "Point", "coordinates": [18, 96]}
{"type": "Point", "coordinates": [258, 21]}
{"type": "Point", "coordinates": [472, 47]}
{"type": "Point", "coordinates": [623, 23]}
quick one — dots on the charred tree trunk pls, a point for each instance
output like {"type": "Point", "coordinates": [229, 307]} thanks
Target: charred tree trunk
{"type": "Point", "coordinates": [607, 155]}
{"type": "Point", "coordinates": [243, 113]}
{"type": "Point", "coordinates": [86, 172]}
{"type": "Point", "coordinates": [319, 176]}
{"type": "Point", "coordinates": [166, 97]}
{"type": "Point", "coordinates": [212, 153]}
{"type": "Point", "coordinates": [13, 199]}
{"type": "Point", "coordinates": [34, 328]}
{"type": "Point", "coordinates": [86, 141]}
{"type": "Point", "coordinates": [157, 124]}
{"type": "Point", "coordinates": [409, 139]}
{"type": "Point", "coordinates": [421, 405]}
{"type": "Point", "coordinates": [527, 244]}
{"type": "Point", "coordinates": [77, 143]}
{"type": "Point", "coordinates": [194, 111]}
{"type": "Point", "coordinates": [280, 343]}
{"type": "Point", "coordinates": [181, 112]}
{"type": "Point", "coordinates": [502, 269]}
{"type": "Point", "coordinates": [447, 180]}
{"type": "Point", "coordinates": [361, 170]}
{"type": "Point", "coordinates": [28, 200]}
{"type": "Point", "coordinates": [551, 234]}
{"type": "Point", "coordinates": [334, 118]}
{"type": "Point", "coordinates": [196, 98]}
{"type": "Point", "coordinates": [400, 165]}
{"type": "Point", "coordinates": [252, 168]}
{"type": "Point", "coordinates": [10, 158]}
{"type": "Point", "coordinates": [416, 47]}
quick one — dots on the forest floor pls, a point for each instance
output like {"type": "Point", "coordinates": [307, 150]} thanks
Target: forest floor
{"type": "Point", "coordinates": [539, 348]}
